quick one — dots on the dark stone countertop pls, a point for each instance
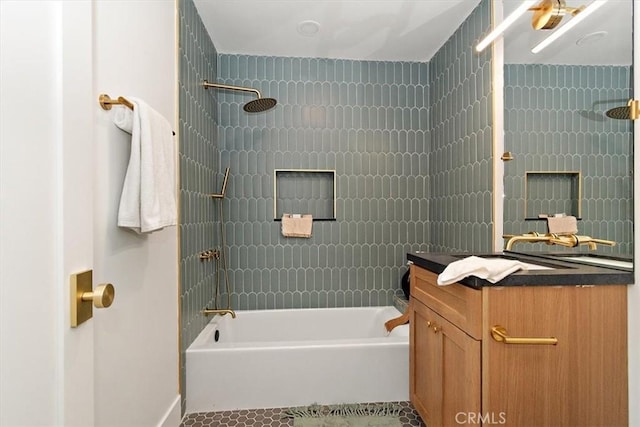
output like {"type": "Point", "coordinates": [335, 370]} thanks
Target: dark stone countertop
{"type": "Point", "coordinates": [562, 272]}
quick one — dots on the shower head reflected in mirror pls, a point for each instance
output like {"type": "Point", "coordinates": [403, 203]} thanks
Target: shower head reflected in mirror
{"type": "Point", "coordinates": [619, 113]}
{"type": "Point", "coordinates": [630, 112]}
{"type": "Point", "coordinates": [256, 106]}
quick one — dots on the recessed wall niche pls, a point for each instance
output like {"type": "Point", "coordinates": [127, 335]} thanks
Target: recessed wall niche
{"type": "Point", "coordinates": [548, 193]}
{"type": "Point", "coordinates": [305, 191]}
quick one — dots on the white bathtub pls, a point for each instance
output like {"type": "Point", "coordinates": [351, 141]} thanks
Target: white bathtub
{"type": "Point", "coordinates": [281, 358]}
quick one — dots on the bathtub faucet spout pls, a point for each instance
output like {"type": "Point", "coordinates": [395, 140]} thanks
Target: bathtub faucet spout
{"type": "Point", "coordinates": [221, 312]}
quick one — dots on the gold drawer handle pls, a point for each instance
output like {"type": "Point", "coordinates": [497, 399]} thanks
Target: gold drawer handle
{"type": "Point", "coordinates": [500, 334]}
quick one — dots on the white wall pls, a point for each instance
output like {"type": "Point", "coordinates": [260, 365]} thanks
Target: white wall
{"type": "Point", "coordinates": [135, 55]}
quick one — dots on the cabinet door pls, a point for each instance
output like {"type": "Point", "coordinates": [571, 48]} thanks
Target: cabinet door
{"type": "Point", "coordinates": [425, 365]}
{"type": "Point", "coordinates": [579, 381]}
{"type": "Point", "coordinates": [445, 370]}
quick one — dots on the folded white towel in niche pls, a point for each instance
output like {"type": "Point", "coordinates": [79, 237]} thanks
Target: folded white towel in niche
{"type": "Point", "coordinates": [148, 200]}
{"type": "Point", "coordinates": [562, 225]}
{"type": "Point", "coordinates": [296, 225]}
{"type": "Point", "coordinates": [491, 269]}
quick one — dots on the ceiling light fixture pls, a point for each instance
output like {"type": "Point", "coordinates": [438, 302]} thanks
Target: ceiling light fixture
{"type": "Point", "coordinates": [309, 28]}
{"type": "Point", "coordinates": [504, 24]}
{"type": "Point", "coordinates": [595, 5]}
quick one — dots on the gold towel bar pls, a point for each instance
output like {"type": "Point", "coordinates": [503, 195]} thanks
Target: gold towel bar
{"type": "Point", "coordinates": [106, 102]}
{"type": "Point", "coordinates": [499, 334]}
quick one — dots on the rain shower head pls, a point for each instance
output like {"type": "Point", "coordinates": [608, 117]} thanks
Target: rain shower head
{"type": "Point", "coordinates": [259, 105]}
{"type": "Point", "coordinates": [256, 106]}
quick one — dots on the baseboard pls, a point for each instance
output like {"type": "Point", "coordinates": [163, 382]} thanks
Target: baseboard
{"type": "Point", "coordinates": [172, 417]}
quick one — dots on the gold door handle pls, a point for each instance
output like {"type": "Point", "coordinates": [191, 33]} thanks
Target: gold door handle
{"type": "Point", "coordinates": [84, 297]}
{"type": "Point", "coordinates": [499, 334]}
{"type": "Point", "coordinates": [102, 296]}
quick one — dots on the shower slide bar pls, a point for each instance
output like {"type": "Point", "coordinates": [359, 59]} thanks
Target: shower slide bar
{"type": "Point", "coordinates": [224, 186]}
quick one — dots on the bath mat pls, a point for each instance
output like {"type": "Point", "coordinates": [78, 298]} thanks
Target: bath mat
{"type": "Point", "coordinates": [343, 421]}
{"type": "Point", "coordinates": [352, 415]}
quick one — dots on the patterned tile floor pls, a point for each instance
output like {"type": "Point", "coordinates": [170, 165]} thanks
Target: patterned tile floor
{"type": "Point", "coordinates": [273, 418]}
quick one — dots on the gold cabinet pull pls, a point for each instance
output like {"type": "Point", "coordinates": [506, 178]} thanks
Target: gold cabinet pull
{"type": "Point", "coordinates": [433, 326]}
{"type": "Point", "coordinates": [499, 334]}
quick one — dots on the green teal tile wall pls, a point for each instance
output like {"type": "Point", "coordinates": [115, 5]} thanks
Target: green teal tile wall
{"type": "Point", "coordinates": [461, 132]}
{"type": "Point", "coordinates": [199, 175]}
{"type": "Point", "coordinates": [411, 146]}
{"type": "Point", "coordinates": [555, 121]}
{"type": "Point", "coordinates": [366, 120]}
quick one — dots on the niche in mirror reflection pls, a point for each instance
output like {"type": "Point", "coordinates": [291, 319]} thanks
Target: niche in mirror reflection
{"type": "Point", "coordinates": [555, 120]}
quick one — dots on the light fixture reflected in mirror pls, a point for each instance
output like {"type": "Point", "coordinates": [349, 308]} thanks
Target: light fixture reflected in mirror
{"type": "Point", "coordinates": [547, 15]}
{"type": "Point", "coordinates": [521, 10]}
{"type": "Point", "coordinates": [579, 17]}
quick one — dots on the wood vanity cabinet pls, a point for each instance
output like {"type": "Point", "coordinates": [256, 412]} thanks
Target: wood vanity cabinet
{"type": "Point", "coordinates": [461, 375]}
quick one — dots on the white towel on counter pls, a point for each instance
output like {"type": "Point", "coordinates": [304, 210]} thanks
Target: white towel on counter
{"type": "Point", "coordinates": [148, 200]}
{"type": "Point", "coordinates": [296, 225]}
{"type": "Point", "coordinates": [491, 269]}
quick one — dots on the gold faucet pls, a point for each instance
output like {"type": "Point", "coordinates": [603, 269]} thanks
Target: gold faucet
{"type": "Point", "coordinates": [532, 237]}
{"type": "Point", "coordinates": [570, 241]}
{"type": "Point", "coordinates": [222, 312]}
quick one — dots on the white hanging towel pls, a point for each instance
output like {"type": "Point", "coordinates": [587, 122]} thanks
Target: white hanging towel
{"type": "Point", "coordinates": [123, 118]}
{"type": "Point", "coordinates": [148, 200]}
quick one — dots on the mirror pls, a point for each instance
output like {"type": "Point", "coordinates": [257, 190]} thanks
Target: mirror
{"type": "Point", "coordinates": [568, 155]}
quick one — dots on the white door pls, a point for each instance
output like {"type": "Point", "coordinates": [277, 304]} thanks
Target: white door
{"type": "Point", "coordinates": [47, 212]}
{"type": "Point", "coordinates": [61, 170]}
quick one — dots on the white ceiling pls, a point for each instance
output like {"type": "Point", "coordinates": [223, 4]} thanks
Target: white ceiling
{"type": "Point", "coordinates": [384, 30]}
{"type": "Point", "coordinates": [399, 30]}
